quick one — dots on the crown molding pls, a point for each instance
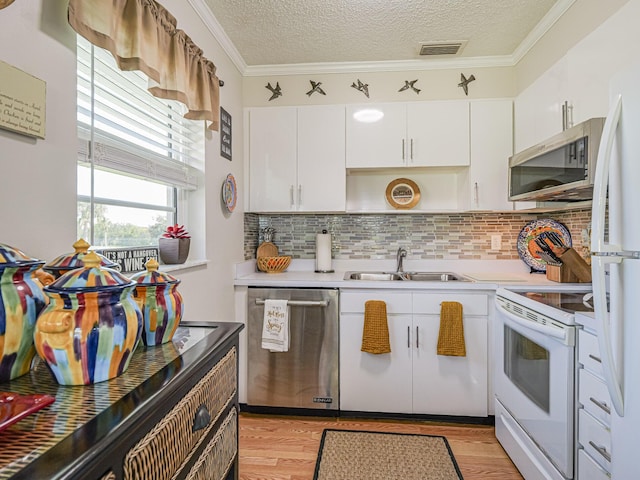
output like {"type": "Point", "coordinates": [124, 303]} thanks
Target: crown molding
{"type": "Point", "coordinates": [386, 66]}
{"type": "Point", "coordinates": [212, 24]}
{"type": "Point", "coordinates": [543, 26]}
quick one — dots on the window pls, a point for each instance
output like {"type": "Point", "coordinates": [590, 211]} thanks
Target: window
{"type": "Point", "coordinates": [137, 155]}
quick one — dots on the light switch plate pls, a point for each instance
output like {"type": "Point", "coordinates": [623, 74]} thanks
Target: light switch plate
{"type": "Point", "coordinates": [496, 242]}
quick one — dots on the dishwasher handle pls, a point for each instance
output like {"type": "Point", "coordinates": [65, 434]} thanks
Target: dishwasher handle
{"type": "Point", "coordinates": [300, 303]}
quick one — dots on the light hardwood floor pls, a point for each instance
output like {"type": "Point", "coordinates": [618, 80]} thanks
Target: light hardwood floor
{"type": "Point", "coordinates": [286, 448]}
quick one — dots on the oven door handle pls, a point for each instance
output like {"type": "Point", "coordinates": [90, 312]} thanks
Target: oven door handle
{"type": "Point", "coordinates": [558, 333]}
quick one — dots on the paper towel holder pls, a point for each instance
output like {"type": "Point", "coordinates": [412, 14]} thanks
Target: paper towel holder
{"type": "Point", "coordinates": [322, 268]}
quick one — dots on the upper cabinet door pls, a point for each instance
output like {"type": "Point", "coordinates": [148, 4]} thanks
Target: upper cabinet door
{"type": "Point", "coordinates": [491, 147]}
{"type": "Point", "coordinates": [376, 135]}
{"type": "Point", "coordinates": [418, 134]}
{"type": "Point", "coordinates": [272, 159]}
{"type": "Point", "coordinates": [438, 134]}
{"type": "Point", "coordinates": [321, 159]}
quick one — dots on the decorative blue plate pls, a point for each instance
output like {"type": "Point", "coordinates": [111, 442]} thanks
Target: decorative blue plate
{"type": "Point", "coordinates": [527, 248]}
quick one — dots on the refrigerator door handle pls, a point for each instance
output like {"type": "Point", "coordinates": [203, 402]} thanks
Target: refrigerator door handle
{"type": "Point", "coordinates": [604, 330]}
{"type": "Point", "coordinates": [601, 180]}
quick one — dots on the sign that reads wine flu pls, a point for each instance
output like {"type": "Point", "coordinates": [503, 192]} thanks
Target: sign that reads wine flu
{"type": "Point", "coordinates": [130, 259]}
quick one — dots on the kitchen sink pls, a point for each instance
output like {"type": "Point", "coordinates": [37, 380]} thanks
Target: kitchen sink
{"type": "Point", "coordinates": [407, 276]}
{"type": "Point", "coordinates": [373, 276]}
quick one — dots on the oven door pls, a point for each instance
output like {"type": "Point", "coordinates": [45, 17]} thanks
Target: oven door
{"type": "Point", "coordinates": [534, 380]}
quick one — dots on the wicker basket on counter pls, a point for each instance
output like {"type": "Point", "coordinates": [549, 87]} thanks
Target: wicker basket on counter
{"type": "Point", "coordinates": [273, 264]}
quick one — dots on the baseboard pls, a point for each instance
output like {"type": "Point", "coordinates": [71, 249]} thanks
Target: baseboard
{"type": "Point", "coordinates": [313, 412]}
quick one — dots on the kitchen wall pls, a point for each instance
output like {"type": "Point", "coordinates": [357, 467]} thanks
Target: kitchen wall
{"type": "Point", "coordinates": [38, 193]}
{"type": "Point", "coordinates": [432, 237]}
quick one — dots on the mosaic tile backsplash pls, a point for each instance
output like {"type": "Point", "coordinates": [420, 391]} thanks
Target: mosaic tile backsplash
{"type": "Point", "coordinates": [425, 236]}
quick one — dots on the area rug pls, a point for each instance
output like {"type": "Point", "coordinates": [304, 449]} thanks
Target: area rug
{"type": "Point", "coordinates": [353, 455]}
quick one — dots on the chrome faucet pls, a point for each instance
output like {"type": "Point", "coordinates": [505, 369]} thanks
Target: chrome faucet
{"type": "Point", "coordinates": [400, 255]}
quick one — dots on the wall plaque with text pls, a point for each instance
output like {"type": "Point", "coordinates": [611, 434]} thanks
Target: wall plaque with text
{"type": "Point", "coordinates": [22, 102]}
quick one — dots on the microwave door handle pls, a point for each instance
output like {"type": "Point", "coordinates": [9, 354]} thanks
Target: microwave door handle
{"type": "Point", "coordinates": [558, 333]}
{"type": "Point", "coordinates": [601, 179]}
{"type": "Point", "coordinates": [603, 318]}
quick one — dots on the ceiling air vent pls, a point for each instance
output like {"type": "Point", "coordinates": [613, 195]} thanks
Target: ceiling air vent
{"type": "Point", "coordinates": [441, 48]}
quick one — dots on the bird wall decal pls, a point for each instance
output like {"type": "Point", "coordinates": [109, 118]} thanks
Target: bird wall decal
{"type": "Point", "coordinates": [361, 87]}
{"type": "Point", "coordinates": [315, 87]}
{"type": "Point", "coordinates": [464, 83]}
{"type": "Point", "coordinates": [410, 85]}
{"type": "Point", "coordinates": [276, 91]}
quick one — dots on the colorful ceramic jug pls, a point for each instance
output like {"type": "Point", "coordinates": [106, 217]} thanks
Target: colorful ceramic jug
{"type": "Point", "coordinates": [91, 326]}
{"type": "Point", "coordinates": [70, 261]}
{"type": "Point", "coordinates": [161, 304]}
{"type": "Point", "coordinates": [21, 300]}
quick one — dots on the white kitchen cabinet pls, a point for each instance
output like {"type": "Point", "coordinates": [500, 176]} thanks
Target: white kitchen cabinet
{"type": "Point", "coordinates": [448, 385]}
{"type": "Point", "coordinates": [376, 143]}
{"type": "Point", "coordinates": [491, 147]}
{"type": "Point", "coordinates": [594, 447]}
{"type": "Point", "coordinates": [413, 378]}
{"type": "Point", "coordinates": [417, 134]}
{"type": "Point", "coordinates": [296, 159]}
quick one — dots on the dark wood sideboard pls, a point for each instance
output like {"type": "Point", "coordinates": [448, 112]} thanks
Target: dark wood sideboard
{"type": "Point", "coordinates": [172, 414]}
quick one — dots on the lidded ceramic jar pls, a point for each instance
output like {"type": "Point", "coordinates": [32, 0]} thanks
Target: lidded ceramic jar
{"type": "Point", "coordinates": [21, 300]}
{"type": "Point", "coordinates": [70, 261]}
{"type": "Point", "coordinates": [161, 304]}
{"type": "Point", "coordinates": [91, 326]}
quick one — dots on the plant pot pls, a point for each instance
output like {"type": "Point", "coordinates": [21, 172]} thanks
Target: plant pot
{"type": "Point", "coordinates": [174, 250]}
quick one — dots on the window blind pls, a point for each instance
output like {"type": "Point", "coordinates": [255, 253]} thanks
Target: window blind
{"type": "Point", "coordinates": [131, 131]}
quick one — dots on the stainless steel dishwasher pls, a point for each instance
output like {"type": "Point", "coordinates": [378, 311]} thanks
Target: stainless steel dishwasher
{"type": "Point", "coordinates": [306, 376]}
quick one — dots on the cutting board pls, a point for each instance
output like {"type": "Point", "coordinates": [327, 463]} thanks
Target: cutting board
{"type": "Point", "coordinates": [267, 249]}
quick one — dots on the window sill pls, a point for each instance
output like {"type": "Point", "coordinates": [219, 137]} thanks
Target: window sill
{"type": "Point", "coordinates": [183, 266]}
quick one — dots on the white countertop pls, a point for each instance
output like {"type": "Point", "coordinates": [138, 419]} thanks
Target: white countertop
{"type": "Point", "coordinates": [485, 275]}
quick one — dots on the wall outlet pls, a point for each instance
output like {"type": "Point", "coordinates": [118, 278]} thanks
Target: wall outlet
{"type": "Point", "coordinates": [496, 242]}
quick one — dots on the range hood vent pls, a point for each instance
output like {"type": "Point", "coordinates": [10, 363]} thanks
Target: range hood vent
{"type": "Point", "coordinates": [441, 48]}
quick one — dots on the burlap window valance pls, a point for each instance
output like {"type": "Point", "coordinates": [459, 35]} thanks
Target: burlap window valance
{"type": "Point", "coordinates": [142, 35]}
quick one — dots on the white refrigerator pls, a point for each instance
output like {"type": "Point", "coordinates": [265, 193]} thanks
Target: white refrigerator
{"type": "Point", "coordinates": [616, 250]}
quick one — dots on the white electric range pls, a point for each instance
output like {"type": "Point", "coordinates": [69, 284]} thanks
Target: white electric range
{"type": "Point", "coordinates": [534, 379]}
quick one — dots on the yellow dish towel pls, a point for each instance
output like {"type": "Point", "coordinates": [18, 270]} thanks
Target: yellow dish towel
{"type": "Point", "coordinates": [451, 335]}
{"type": "Point", "coordinates": [375, 333]}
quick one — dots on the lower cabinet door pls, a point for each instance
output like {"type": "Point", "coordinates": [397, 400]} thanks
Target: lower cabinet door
{"type": "Point", "coordinates": [375, 382]}
{"type": "Point", "coordinates": [450, 385]}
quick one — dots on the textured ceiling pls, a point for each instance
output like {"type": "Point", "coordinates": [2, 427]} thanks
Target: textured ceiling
{"type": "Point", "coordinates": [283, 32]}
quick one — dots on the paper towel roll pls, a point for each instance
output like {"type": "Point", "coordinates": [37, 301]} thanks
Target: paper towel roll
{"type": "Point", "coordinates": [323, 252]}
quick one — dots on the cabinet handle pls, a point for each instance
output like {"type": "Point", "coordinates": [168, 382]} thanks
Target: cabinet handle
{"type": "Point", "coordinates": [600, 404]}
{"type": "Point", "coordinates": [475, 194]}
{"type": "Point", "coordinates": [403, 149]}
{"type": "Point", "coordinates": [601, 450]}
{"type": "Point", "coordinates": [201, 419]}
{"type": "Point", "coordinates": [408, 336]}
{"type": "Point", "coordinates": [417, 338]}
{"type": "Point", "coordinates": [299, 195]}
{"type": "Point", "coordinates": [593, 357]}
{"type": "Point", "coordinates": [291, 196]}
{"type": "Point", "coordinates": [411, 147]}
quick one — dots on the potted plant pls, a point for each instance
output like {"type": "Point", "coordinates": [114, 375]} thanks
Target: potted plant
{"type": "Point", "coordinates": [174, 244]}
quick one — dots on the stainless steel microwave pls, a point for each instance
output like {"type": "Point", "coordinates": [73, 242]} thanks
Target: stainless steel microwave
{"type": "Point", "coordinates": [562, 168]}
